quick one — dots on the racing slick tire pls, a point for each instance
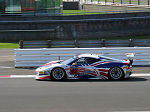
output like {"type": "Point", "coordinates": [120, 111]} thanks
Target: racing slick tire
{"type": "Point", "coordinates": [116, 73]}
{"type": "Point", "coordinates": [58, 74]}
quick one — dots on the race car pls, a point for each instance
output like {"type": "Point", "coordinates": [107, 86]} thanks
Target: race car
{"type": "Point", "coordinates": [86, 66]}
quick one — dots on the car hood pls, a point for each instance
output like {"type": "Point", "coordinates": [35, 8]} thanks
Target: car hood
{"type": "Point", "coordinates": [49, 65]}
{"type": "Point", "coordinates": [52, 62]}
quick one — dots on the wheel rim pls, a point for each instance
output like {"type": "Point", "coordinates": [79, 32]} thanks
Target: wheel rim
{"type": "Point", "coordinates": [58, 74]}
{"type": "Point", "coordinates": [116, 73]}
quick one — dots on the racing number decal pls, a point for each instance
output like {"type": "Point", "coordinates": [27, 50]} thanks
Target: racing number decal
{"type": "Point", "coordinates": [74, 71]}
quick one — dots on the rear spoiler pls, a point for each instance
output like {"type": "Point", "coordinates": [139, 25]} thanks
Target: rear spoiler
{"type": "Point", "coordinates": [130, 57]}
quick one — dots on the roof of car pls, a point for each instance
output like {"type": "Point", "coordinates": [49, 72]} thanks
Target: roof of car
{"type": "Point", "coordinates": [89, 55]}
{"type": "Point", "coordinates": [96, 56]}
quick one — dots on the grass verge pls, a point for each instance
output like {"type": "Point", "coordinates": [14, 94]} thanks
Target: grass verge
{"type": "Point", "coordinates": [9, 45]}
{"type": "Point", "coordinates": [80, 12]}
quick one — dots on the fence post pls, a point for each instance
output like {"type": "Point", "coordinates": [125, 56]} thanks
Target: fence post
{"type": "Point", "coordinates": [49, 43]}
{"type": "Point", "coordinates": [76, 43]}
{"type": "Point", "coordinates": [131, 44]}
{"type": "Point", "coordinates": [138, 2]}
{"type": "Point", "coordinates": [103, 43]}
{"type": "Point", "coordinates": [121, 1]}
{"type": "Point", "coordinates": [21, 44]}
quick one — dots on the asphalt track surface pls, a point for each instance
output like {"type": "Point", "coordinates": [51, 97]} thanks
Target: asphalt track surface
{"type": "Point", "coordinates": [29, 95]}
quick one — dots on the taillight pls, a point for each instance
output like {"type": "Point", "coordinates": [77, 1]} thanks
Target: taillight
{"type": "Point", "coordinates": [128, 62]}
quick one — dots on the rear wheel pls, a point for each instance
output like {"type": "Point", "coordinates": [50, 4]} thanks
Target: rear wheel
{"type": "Point", "coordinates": [116, 73]}
{"type": "Point", "coordinates": [58, 74]}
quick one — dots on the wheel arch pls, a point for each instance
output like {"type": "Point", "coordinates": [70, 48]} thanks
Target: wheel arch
{"type": "Point", "coordinates": [65, 74]}
{"type": "Point", "coordinates": [117, 67]}
{"type": "Point", "coordinates": [55, 68]}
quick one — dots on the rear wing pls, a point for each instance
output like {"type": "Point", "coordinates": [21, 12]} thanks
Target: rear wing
{"type": "Point", "coordinates": [130, 57]}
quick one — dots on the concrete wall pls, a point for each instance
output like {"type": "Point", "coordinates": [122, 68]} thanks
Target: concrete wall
{"type": "Point", "coordinates": [74, 27]}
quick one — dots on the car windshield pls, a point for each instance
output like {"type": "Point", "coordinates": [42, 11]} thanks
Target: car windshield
{"type": "Point", "coordinates": [69, 60]}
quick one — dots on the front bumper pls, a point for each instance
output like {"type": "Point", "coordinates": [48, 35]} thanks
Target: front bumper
{"type": "Point", "coordinates": [42, 76]}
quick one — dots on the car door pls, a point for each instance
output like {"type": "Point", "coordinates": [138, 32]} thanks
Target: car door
{"type": "Point", "coordinates": [81, 69]}
{"type": "Point", "coordinates": [94, 72]}
{"type": "Point", "coordinates": [77, 67]}
{"type": "Point", "coordinates": [98, 67]}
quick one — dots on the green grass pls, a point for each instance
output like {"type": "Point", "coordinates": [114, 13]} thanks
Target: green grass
{"type": "Point", "coordinates": [9, 45]}
{"type": "Point", "coordinates": [80, 12]}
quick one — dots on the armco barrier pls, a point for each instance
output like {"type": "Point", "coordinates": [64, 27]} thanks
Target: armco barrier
{"type": "Point", "coordinates": [84, 43]}
{"type": "Point", "coordinates": [37, 57]}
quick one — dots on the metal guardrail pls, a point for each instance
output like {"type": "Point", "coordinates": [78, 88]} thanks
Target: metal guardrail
{"type": "Point", "coordinates": [38, 57]}
{"type": "Point", "coordinates": [85, 43]}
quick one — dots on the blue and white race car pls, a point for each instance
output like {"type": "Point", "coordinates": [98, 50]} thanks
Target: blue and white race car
{"type": "Point", "coordinates": [86, 66]}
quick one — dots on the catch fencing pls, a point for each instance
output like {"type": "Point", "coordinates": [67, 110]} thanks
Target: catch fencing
{"type": "Point", "coordinates": [38, 57]}
{"type": "Point", "coordinates": [112, 2]}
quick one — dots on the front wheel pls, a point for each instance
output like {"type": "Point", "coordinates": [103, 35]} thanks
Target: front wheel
{"type": "Point", "coordinates": [116, 73]}
{"type": "Point", "coordinates": [58, 74]}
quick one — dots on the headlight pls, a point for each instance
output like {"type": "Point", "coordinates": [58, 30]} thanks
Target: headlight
{"type": "Point", "coordinates": [41, 72]}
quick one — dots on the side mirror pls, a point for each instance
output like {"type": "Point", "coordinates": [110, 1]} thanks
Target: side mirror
{"type": "Point", "coordinates": [74, 64]}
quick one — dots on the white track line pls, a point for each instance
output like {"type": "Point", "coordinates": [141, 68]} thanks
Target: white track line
{"type": "Point", "coordinates": [5, 67]}
{"type": "Point", "coordinates": [22, 76]}
{"type": "Point", "coordinates": [140, 75]}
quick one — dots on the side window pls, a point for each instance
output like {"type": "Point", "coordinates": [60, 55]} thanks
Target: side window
{"type": "Point", "coordinates": [80, 62]}
{"type": "Point", "coordinates": [92, 60]}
